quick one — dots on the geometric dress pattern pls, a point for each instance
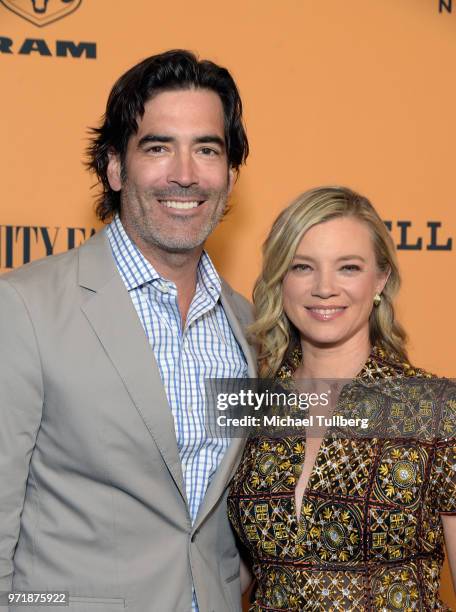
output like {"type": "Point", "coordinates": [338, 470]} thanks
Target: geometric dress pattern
{"type": "Point", "coordinates": [370, 535]}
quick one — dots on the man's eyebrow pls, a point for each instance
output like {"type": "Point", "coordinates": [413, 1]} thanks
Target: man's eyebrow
{"type": "Point", "coordinates": [210, 139]}
{"type": "Point", "coordinates": [159, 138]}
{"type": "Point", "coordinates": [149, 138]}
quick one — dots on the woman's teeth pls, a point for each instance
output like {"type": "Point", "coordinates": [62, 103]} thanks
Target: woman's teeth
{"type": "Point", "coordinates": [326, 311]}
{"type": "Point", "coordinates": [325, 314]}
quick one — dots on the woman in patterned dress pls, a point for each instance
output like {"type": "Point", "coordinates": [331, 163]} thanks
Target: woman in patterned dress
{"type": "Point", "coordinates": [334, 523]}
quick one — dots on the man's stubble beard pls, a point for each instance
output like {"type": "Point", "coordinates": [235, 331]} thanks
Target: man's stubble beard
{"type": "Point", "coordinates": [152, 234]}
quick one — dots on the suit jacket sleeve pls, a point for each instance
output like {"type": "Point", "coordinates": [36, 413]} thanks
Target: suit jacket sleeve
{"type": "Point", "coordinates": [21, 401]}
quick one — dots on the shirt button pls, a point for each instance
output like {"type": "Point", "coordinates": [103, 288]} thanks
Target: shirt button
{"type": "Point", "coordinates": [164, 288]}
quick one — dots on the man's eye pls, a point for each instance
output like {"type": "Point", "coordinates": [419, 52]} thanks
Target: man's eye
{"type": "Point", "coordinates": [209, 151]}
{"type": "Point", "coordinates": [156, 149]}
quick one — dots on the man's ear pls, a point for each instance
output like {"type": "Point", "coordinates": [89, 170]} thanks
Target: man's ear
{"type": "Point", "coordinates": [114, 171]}
{"type": "Point", "coordinates": [232, 176]}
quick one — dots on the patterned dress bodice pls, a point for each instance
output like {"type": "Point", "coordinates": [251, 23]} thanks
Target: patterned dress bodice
{"type": "Point", "coordinates": [369, 536]}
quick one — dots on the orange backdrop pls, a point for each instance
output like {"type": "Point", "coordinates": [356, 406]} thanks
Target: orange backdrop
{"type": "Point", "coordinates": [353, 92]}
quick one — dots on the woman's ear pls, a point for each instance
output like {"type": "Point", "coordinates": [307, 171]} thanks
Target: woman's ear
{"type": "Point", "coordinates": [382, 280]}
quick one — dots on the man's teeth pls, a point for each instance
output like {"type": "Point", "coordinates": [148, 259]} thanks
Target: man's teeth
{"type": "Point", "coordinates": [180, 205]}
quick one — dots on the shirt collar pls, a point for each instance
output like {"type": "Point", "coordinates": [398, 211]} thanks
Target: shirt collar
{"type": "Point", "coordinates": [136, 271]}
{"type": "Point", "coordinates": [133, 267]}
{"type": "Point", "coordinates": [208, 278]}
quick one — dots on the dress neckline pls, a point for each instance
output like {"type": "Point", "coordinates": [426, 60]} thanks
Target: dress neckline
{"type": "Point", "coordinates": [381, 364]}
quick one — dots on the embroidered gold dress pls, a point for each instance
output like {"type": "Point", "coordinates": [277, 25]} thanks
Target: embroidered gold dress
{"type": "Point", "coordinates": [370, 534]}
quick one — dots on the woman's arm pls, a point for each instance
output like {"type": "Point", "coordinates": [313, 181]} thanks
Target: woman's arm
{"type": "Point", "coordinates": [449, 530]}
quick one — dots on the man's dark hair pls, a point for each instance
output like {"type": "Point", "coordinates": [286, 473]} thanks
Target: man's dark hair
{"type": "Point", "coordinates": [172, 70]}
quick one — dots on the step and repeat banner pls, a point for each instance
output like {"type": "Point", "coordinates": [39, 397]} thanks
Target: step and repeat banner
{"type": "Point", "coordinates": [359, 93]}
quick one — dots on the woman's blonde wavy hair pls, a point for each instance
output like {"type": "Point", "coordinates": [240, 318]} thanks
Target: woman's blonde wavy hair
{"type": "Point", "coordinates": [273, 333]}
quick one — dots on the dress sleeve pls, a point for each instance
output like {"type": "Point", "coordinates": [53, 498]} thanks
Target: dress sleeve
{"type": "Point", "coordinates": [443, 478]}
{"type": "Point", "coordinates": [443, 472]}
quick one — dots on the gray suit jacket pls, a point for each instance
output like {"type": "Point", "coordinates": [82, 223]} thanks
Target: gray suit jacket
{"type": "Point", "coordinates": [92, 497]}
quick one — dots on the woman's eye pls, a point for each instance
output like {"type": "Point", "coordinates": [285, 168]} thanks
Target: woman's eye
{"type": "Point", "coordinates": [301, 267]}
{"type": "Point", "coordinates": [351, 268]}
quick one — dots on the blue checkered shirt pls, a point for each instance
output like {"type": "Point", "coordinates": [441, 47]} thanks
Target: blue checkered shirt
{"type": "Point", "coordinates": [205, 348]}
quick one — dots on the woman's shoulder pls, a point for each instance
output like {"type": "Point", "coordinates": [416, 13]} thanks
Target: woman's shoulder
{"type": "Point", "coordinates": [290, 363]}
{"type": "Point", "coordinates": [383, 364]}
{"type": "Point", "coordinates": [420, 403]}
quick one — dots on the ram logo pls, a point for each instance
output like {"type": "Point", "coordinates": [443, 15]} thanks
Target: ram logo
{"type": "Point", "coordinates": [42, 12]}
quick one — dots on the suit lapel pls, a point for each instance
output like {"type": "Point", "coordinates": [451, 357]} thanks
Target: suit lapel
{"type": "Point", "coordinates": [233, 454]}
{"type": "Point", "coordinates": [111, 314]}
{"type": "Point", "coordinates": [238, 326]}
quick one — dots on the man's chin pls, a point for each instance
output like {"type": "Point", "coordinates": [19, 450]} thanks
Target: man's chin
{"type": "Point", "coordinates": [183, 245]}
{"type": "Point", "coordinates": [182, 248]}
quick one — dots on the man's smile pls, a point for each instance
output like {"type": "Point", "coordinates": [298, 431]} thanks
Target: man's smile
{"type": "Point", "coordinates": [181, 204]}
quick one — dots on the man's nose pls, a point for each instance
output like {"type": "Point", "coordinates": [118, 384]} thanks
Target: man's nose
{"type": "Point", "coordinates": [183, 170]}
{"type": "Point", "coordinates": [324, 285]}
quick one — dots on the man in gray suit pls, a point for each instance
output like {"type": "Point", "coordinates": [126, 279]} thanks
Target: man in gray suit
{"type": "Point", "coordinates": [111, 488]}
